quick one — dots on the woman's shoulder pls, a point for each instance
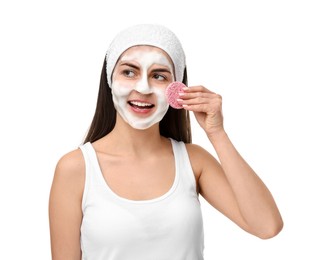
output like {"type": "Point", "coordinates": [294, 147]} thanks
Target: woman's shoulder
{"type": "Point", "coordinates": [196, 150]}
{"type": "Point", "coordinates": [199, 156]}
{"type": "Point", "coordinates": [71, 165]}
{"type": "Point", "coordinates": [67, 190]}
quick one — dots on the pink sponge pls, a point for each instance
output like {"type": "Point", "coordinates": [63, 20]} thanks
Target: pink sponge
{"type": "Point", "coordinates": [172, 93]}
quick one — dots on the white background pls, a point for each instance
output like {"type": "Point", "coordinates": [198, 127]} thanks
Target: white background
{"type": "Point", "coordinates": [257, 54]}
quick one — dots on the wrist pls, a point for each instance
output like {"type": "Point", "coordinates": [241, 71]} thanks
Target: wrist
{"type": "Point", "coordinates": [217, 136]}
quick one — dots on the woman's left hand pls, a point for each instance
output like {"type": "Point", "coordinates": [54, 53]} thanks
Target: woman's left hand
{"type": "Point", "coordinates": [206, 105]}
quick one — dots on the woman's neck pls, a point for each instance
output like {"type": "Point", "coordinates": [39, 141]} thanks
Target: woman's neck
{"type": "Point", "coordinates": [130, 141]}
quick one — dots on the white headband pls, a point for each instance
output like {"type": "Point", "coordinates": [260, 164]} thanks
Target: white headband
{"type": "Point", "coordinates": [147, 34]}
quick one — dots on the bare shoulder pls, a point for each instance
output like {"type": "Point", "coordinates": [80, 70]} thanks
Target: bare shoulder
{"type": "Point", "coordinates": [200, 158]}
{"type": "Point", "coordinates": [70, 170]}
{"type": "Point", "coordinates": [65, 206]}
{"type": "Point", "coordinates": [198, 153]}
{"type": "Point", "coordinates": [71, 162]}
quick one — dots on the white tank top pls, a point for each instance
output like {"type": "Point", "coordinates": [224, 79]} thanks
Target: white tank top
{"type": "Point", "coordinates": [169, 227]}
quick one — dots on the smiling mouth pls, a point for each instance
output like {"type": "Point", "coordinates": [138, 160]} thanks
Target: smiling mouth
{"type": "Point", "coordinates": [140, 105]}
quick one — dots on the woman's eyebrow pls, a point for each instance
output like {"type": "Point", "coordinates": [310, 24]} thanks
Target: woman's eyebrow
{"type": "Point", "coordinates": [125, 63]}
{"type": "Point", "coordinates": [130, 65]}
{"type": "Point", "coordinates": [161, 70]}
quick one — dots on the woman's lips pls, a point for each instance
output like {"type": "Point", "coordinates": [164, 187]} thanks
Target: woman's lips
{"type": "Point", "coordinates": [140, 106]}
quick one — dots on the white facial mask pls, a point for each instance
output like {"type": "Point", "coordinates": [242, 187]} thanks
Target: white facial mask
{"type": "Point", "coordinates": [121, 91]}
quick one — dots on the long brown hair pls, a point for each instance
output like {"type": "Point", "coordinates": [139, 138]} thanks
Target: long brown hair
{"type": "Point", "coordinates": [175, 124]}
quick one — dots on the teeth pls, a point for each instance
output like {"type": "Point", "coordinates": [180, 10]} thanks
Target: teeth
{"type": "Point", "coordinates": [140, 104]}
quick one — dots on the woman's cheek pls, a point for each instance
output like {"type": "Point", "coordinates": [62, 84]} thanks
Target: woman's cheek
{"type": "Point", "coordinates": [161, 96]}
{"type": "Point", "coordinates": [121, 89]}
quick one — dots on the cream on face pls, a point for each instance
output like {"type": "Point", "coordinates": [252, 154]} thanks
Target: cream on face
{"type": "Point", "coordinates": [141, 102]}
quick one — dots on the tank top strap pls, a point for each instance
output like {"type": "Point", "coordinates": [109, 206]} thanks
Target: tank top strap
{"type": "Point", "coordinates": [92, 171]}
{"type": "Point", "coordinates": [183, 163]}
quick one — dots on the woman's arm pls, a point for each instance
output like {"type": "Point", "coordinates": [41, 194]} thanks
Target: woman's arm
{"type": "Point", "coordinates": [65, 213]}
{"type": "Point", "coordinates": [231, 186]}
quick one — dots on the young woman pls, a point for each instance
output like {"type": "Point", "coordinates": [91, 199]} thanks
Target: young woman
{"type": "Point", "coordinates": [131, 190]}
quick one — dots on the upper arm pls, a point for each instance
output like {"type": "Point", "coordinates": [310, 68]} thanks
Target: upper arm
{"type": "Point", "coordinates": [65, 214]}
{"type": "Point", "coordinates": [213, 184]}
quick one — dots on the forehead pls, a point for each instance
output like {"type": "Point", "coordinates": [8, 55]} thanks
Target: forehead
{"type": "Point", "coordinates": [137, 52]}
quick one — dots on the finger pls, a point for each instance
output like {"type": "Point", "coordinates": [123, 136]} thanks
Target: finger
{"type": "Point", "coordinates": [198, 98]}
{"type": "Point", "coordinates": [195, 101]}
{"type": "Point", "coordinates": [203, 107]}
{"type": "Point", "coordinates": [205, 104]}
{"type": "Point", "coordinates": [191, 95]}
{"type": "Point", "coordinates": [198, 88]}
{"type": "Point", "coordinates": [196, 108]}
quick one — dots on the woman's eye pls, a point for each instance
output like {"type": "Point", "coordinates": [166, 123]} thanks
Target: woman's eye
{"type": "Point", "coordinates": [128, 73]}
{"type": "Point", "coordinates": [159, 77]}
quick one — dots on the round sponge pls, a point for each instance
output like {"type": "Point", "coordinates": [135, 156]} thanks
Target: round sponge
{"type": "Point", "coordinates": [172, 93]}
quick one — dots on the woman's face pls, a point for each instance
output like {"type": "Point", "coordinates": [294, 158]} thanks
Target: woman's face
{"type": "Point", "coordinates": [139, 80]}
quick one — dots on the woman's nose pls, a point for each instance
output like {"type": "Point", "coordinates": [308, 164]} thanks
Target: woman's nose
{"type": "Point", "coordinates": [143, 87]}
